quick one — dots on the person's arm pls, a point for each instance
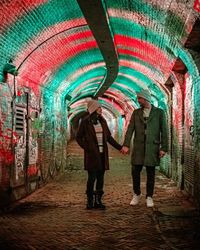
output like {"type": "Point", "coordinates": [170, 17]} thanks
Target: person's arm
{"type": "Point", "coordinates": [164, 135]}
{"type": "Point", "coordinates": [129, 132]}
{"type": "Point", "coordinates": [114, 143]}
{"type": "Point", "coordinates": [110, 139]}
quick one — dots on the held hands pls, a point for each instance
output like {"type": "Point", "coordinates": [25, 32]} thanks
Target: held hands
{"type": "Point", "coordinates": [161, 153]}
{"type": "Point", "coordinates": [124, 150]}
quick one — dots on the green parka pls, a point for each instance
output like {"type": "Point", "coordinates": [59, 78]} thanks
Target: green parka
{"type": "Point", "coordinates": [145, 151]}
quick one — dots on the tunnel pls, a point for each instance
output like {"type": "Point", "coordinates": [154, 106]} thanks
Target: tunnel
{"type": "Point", "coordinates": [58, 55]}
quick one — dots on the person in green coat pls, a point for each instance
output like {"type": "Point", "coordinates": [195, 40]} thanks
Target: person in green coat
{"type": "Point", "coordinates": [150, 143]}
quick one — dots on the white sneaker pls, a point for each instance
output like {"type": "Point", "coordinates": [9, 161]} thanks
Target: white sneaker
{"type": "Point", "coordinates": [149, 201]}
{"type": "Point", "coordinates": [135, 200]}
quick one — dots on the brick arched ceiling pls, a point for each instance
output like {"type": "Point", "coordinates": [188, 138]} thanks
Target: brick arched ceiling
{"type": "Point", "coordinates": [108, 48]}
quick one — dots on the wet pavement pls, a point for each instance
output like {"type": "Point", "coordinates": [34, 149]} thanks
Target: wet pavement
{"type": "Point", "coordinates": [54, 217]}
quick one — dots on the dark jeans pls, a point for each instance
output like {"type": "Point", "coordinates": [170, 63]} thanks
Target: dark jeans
{"type": "Point", "coordinates": [150, 170]}
{"type": "Point", "coordinates": [98, 176]}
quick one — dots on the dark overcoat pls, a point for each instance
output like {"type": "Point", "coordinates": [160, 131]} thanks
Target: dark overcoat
{"type": "Point", "coordinates": [86, 138]}
{"type": "Point", "coordinates": [145, 150]}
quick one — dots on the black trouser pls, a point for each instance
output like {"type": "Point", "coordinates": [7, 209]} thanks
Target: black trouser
{"type": "Point", "coordinates": [98, 176]}
{"type": "Point", "coordinates": [136, 170]}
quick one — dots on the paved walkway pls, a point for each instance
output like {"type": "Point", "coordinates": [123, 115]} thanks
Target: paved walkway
{"type": "Point", "coordinates": [54, 217]}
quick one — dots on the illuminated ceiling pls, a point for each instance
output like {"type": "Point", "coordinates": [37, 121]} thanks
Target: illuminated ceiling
{"type": "Point", "coordinates": [109, 48]}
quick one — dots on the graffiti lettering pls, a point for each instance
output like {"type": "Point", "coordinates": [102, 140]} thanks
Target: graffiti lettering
{"type": "Point", "coordinates": [8, 138]}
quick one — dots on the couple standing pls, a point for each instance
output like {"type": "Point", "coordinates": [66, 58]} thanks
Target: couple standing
{"type": "Point", "coordinates": [150, 143]}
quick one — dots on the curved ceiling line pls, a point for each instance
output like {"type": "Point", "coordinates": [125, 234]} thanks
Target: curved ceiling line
{"type": "Point", "coordinates": [137, 44]}
{"type": "Point", "coordinates": [140, 60]}
{"type": "Point", "coordinates": [89, 81]}
{"type": "Point", "coordinates": [80, 76]}
{"type": "Point", "coordinates": [72, 64]}
{"type": "Point", "coordinates": [81, 106]}
{"type": "Point", "coordinates": [49, 38]}
{"type": "Point", "coordinates": [113, 86]}
{"type": "Point", "coordinates": [156, 51]}
{"type": "Point", "coordinates": [159, 92]}
{"type": "Point", "coordinates": [40, 45]}
{"type": "Point", "coordinates": [77, 111]}
{"type": "Point", "coordinates": [55, 61]}
{"type": "Point", "coordinates": [158, 82]}
{"type": "Point", "coordinates": [139, 55]}
{"type": "Point", "coordinates": [130, 82]}
{"type": "Point", "coordinates": [170, 45]}
{"type": "Point", "coordinates": [121, 100]}
{"type": "Point", "coordinates": [189, 62]}
{"type": "Point", "coordinates": [91, 88]}
{"type": "Point", "coordinates": [127, 84]}
{"type": "Point", "coordinates": [79, 98]}
{"type": "Point", "coordinates": [133, 56]}
{"type": "Point", "coordinates": [50, 32]}
{"type": "Point", "coordinates": [84, 95]}
{"type": "Point", "coordinates": [133, 96]}
{"type": "Point", "coordinates": [114, 100]}
{"type": "Point", "coordinates": [116, 94]}
{"type": "Point", "coordinates": [117, 100]}
{"type": "Point", "coordinates": [81, 89]}
{"type": "Point", "coordinates": [112, 107]}
{"type": "Point", "coordinates": [144, 70]}
{"type": "Point", "coordinates": [120, 87]}
{"type": "Point", "coordinates": [174, 46]}
{"type": "Point", "coordinates": [138, 31]}
{"type": "Point", "coordinates": [160, 23]}
{"type": "Point", "coordinates": [7, 8]}
{"type": "Point", "coordinates": [42, 20]}
{"type": "Point", "coordinates": [137, 74]}
{"type": "Point", "coordinates": [123, 92]}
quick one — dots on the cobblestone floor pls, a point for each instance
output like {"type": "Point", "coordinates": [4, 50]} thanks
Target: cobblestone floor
{"type": "Point", "coordinates": [54, 217]}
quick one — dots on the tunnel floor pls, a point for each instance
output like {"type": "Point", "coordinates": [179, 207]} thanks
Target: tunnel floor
{"type": "Point", "coordinates": [54, 217]}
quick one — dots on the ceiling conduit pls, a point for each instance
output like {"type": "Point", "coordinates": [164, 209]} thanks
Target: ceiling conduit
{"type": "Point", "coordinates": [98, 24]}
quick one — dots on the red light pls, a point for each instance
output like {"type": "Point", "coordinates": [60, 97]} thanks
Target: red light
{"type": "Point", "coordinates": [197, 5]}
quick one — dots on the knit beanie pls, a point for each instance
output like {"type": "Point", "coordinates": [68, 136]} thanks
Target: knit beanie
{"type": "Point", "coordinates": [93, 105]}
{"type": "Point", "coordinates": [144, 93]}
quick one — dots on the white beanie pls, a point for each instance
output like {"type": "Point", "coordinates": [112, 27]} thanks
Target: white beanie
{"type": "Point", "coordinates": [93, 105]}
{"type": "Point", "coordinates": [144, 93]}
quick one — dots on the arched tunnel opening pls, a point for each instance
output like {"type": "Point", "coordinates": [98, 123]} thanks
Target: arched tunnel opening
{"type": "Point", "coordinates": [56, 56]}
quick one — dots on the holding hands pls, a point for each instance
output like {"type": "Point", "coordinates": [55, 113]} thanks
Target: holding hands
{"type": "Point", "coordinates": [124, 150]}
{"type": "Point", "coordinates": [161, 153]}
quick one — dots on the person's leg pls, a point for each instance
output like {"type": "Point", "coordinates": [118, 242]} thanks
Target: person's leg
{"type": "Point", "coordinates": [136, 170]}
{"type": "Point", "coordinates": [150, 180]}
{"type": "Point", "coordinates": [150, 185]}
{"type": "Point", "coordinates": [99, 185]}
{"type": "Point", "coordinates": [90, 188]}
{"type": "Point", "coordinates": [100, 181]}
{"type": "Point", "coordinates": [99, 190]}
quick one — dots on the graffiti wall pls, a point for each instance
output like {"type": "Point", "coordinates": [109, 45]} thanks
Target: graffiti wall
{"type": "Point", "coordinates": [32, 139]}
{"type": "Point", "coordinates": [189, 157]}
{"type": "Point", "coordinates": [7, 136]}
{"type": "Point", "coordinates": [177, 129]}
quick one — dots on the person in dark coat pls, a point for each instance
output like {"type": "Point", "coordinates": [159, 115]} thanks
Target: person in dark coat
{"type": "Point", "coordinates": [92, 135]}
{"type": "Point", "coordinates": [150, 143]}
